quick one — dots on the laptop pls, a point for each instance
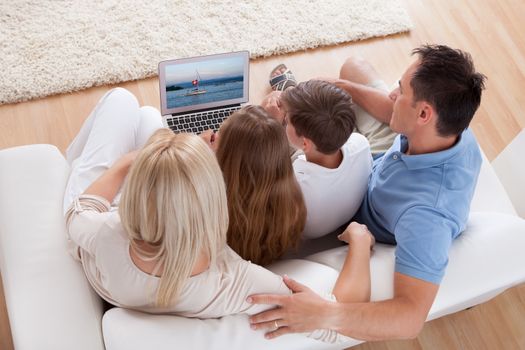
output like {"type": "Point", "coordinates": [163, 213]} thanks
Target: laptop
{"type": "Point", "coordinates": [199, 93]}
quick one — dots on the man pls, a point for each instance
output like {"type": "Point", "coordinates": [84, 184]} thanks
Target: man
{"type": "Point", "coordinates": [418, 196]}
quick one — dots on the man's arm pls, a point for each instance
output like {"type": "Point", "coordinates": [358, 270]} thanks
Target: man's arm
{"type": "Point", "coordinates": [375, 101]}
{"type": "Point", "coordinates": [401, 317]}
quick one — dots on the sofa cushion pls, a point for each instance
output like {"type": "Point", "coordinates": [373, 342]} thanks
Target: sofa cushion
{"type": "Point", "coordinates": [129, 330]}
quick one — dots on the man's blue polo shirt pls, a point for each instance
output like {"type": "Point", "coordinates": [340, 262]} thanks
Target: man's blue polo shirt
{"type": "Point", "coordinates": [421, 203]}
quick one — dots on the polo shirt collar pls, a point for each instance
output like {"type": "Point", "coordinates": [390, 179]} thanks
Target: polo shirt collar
{"type": "Point", "coordinates": [428, 160]}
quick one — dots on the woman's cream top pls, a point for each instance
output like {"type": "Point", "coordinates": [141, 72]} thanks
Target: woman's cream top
{"type": "Point", "coordinates": [98, 239]}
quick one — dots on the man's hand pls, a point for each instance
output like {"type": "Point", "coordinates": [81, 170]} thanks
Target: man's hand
{"type": "Point", "coordinates": [300, 312]}
{"type": "Point", "coordinates": [272, 104]}
{"type": "Point", "coordinates": [373, 100]}
{"type": "Point", "coordinates": [340, 83]}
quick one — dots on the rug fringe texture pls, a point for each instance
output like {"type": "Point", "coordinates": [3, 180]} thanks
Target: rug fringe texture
{"type": "Point", "coordinates": [56, 46]}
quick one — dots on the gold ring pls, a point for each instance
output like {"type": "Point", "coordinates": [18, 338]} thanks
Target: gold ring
{"type": "Point", "coordinates": [276, 325]}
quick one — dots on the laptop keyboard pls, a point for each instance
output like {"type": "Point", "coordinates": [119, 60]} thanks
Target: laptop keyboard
{"type": "Point", "coordinates": [200, 121]}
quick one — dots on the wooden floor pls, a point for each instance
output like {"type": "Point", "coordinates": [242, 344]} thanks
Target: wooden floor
{"type": "Point", "coordinates": [492, 31]}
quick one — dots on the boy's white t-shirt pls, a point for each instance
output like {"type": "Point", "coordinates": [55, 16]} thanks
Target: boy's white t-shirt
{"type": "Point", "coordinates": [333, 196]}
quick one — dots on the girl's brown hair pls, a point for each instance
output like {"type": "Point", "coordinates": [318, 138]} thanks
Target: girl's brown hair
{"type": "Point", "coordinates": [265, 203]}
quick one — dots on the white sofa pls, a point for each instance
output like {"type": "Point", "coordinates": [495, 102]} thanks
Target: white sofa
{"type": "Point", "coordinates": [51, 305]}
{"type": "Point", "coordinates": [510, 169]}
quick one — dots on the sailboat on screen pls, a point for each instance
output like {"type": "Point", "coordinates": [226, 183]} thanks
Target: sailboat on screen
{"type": "Point", "coordinates": [195, 82]}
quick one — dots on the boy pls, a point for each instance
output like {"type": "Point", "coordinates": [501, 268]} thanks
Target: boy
{"type": "Point", "coordinates": [333, 172]}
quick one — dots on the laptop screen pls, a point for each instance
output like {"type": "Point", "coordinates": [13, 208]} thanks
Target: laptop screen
{"type": "Point", "coordinates": [205, 82]}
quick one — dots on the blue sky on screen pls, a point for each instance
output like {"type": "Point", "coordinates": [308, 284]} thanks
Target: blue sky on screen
{"type": "Point", "coordinates": [213, 69]}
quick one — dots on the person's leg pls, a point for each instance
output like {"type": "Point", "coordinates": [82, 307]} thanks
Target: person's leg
{"type": "Point", "coordinates": [358, 70]}
{"type": "Point", "coordinates": [379, 135]}
{"type": "Point", "coordinates": [150, 121]}
{"type": "Point", "coordinates": [76, 146]}
{"type": "Point", "coordinates": [112, 130]}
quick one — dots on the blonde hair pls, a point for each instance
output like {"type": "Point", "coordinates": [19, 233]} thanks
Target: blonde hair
{"type": "Point", "coordinates": [266, 206]}
{"type": "Point", "coordinates": [174, 199]}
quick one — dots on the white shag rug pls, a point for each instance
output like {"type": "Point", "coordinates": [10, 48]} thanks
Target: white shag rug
{"type": "Point", "coordinates": [55, 46]}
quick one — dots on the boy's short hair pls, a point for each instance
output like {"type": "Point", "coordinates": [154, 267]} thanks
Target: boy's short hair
{"type": "Point", "coordinates": [321, 112]}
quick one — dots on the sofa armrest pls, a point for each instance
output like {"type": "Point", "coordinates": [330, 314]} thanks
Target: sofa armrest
{"type": "Point", "coordinates": [510, 169]}
{"type": "Point", "coordinates": [490, 195]}
{"type": "Point", "coordinates": [49, 301]}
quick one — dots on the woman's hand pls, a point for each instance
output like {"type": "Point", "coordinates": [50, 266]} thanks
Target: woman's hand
{"type": "Point", "coordinates": [211, 138]}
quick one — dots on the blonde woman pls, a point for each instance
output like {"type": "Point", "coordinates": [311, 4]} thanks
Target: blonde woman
{"type": "Point", "coordinates": [163, 249]}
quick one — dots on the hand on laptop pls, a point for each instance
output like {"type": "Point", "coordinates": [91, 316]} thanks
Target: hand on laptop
{"type": "Point", "coordinates": [210, 137]}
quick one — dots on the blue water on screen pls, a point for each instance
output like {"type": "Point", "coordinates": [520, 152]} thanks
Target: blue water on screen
{"type": "Point", "coordinates": [216, 90]}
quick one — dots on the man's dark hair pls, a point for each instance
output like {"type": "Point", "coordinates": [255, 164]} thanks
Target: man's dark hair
{"type": "Point", "coordinates": [447, 79]}
{"type": "Point", "coordinates": [321, 112]}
